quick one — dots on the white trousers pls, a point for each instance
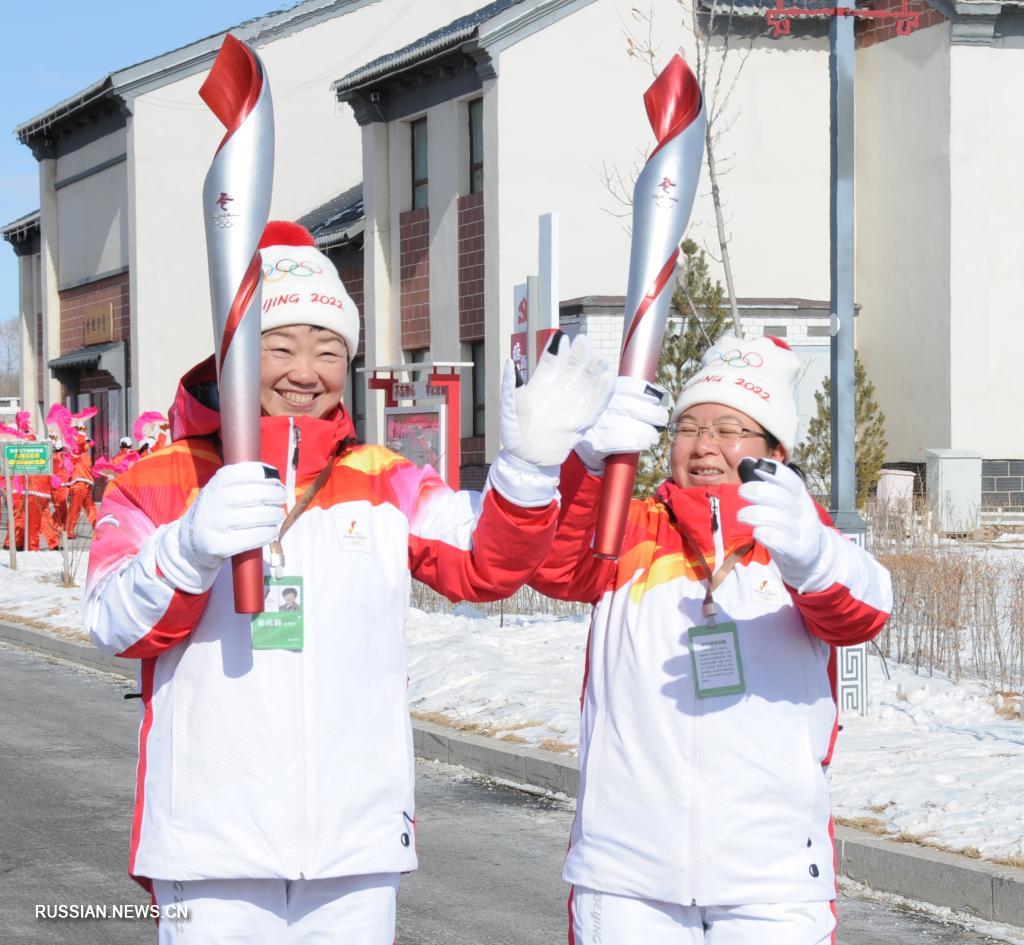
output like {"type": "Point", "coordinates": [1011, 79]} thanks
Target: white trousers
{"type": "Point", "coordinates": [351, 910]}
{"type": "Point", "coordinates": [605, 919]}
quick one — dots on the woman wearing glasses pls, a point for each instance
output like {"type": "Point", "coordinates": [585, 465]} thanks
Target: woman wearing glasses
{"type": "Point", "coordinates": [709, 712]}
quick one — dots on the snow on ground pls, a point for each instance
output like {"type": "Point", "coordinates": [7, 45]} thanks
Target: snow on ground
{"type": "Point", "coordinates": [33, 593]}
{"type": "Point", "coordinates": [932, 759]}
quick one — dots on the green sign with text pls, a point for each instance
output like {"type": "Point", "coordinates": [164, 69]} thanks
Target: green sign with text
{"type": "Point", "coordinates": [27, 459]}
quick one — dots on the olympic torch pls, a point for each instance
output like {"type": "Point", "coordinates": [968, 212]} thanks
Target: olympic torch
{"type": "Point", "coordinates": [662, 201]}
{"type": "Point", "coordinates": [236, 205]}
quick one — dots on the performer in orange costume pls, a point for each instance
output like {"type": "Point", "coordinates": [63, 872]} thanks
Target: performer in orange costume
{"type": "Point", "coordinates": [81, 485]}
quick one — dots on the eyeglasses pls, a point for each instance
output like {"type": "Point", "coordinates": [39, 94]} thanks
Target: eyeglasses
{"type": "Point", "coordinates": [728, 433]}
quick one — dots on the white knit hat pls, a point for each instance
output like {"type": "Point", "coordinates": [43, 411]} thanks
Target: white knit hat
{"type": "Point", "coordinates": [757, 377]}
{"type": "Point", "coordinates": [301, 285]}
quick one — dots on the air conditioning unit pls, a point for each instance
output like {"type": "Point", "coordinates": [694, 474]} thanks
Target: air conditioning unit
{"type": "Point", "coordinates": [953, 481]}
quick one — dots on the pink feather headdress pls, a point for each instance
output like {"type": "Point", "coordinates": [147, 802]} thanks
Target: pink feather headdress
{"type": "Point", "coordinates": [139, 430]}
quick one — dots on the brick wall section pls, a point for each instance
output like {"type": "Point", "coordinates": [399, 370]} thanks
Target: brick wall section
{"type": "Point", "coordinates": [471, 267]}
{"type": "Point", "coordinates": [414, 273]}
{"type": "Point", "coordinates": [73, 303]}
{"type": "Point", "coordinates": [353, 279]}
{"type": "Point", "coordinates": [871, 31]}
{"type": "Point", "coordinates": [1002, 483]}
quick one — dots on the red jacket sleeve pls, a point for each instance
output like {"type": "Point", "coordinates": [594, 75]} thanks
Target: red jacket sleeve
{"type": "Point", "coordinates": [570, 571]}
{"type": "Point", "coordinates": [472, 547]}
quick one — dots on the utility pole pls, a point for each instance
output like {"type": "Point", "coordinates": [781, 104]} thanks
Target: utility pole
{"type": "Point", "coordinates": [841, 69]}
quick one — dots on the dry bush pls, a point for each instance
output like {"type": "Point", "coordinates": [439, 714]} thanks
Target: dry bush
{"type": "Point", "coordinates": [957, 606]}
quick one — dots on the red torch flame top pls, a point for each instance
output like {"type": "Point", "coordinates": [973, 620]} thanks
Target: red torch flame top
{"type": "Point", "coordinates": [233, 85]}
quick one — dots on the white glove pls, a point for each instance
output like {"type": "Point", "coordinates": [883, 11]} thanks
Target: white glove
{"type": "Point", "coordinates": [786, 522]}
{"type": "Point", "coordinates": [237, 510]}
{"type": "Point", "coordinates": [540, 422]}
{"type": "Point", "coordinates": [631, 423]}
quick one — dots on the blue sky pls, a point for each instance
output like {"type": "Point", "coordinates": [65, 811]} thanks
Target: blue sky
{"type": "Point", "coordinates": [54, 48]}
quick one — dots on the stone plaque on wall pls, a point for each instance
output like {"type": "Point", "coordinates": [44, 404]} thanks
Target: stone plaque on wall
{"type": "Point", "coordinates": [99, 322]}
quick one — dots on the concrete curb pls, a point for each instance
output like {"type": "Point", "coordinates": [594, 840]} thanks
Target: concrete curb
{"type": "Point", "coordinates": [993, 893]}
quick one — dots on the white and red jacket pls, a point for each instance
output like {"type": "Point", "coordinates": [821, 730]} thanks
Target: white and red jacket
{"type": "Point", "coordinates": [288, 764]}
{"type": "Point", "coordinates": [714, 801]}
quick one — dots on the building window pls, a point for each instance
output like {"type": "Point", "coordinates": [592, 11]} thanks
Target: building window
{"type": "Point", "coordinates": [417, 356]}
{"type": "Point", "coordinates": [419, 164]}
{"type": "Point", "coordinates": [357, 407]}
{"type": "Point", "coordinates": [775, 331]}
{"type": "Point", "coordinates": [818, 331]}
{"type": "Point", "coordinates": [476, 146]}
{"type": "Point", "coordinates": [479, 387]}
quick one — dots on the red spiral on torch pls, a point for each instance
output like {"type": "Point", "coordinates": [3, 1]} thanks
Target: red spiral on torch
{"type": "Point", "coordinates": [673, 101]}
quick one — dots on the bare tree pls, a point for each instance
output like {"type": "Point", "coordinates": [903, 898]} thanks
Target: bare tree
{"type": "Point", "coordinates": [721, 53]}
{"type": "Point", "coordinates": [10, 358]}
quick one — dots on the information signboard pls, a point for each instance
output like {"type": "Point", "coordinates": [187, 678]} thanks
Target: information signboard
{"type": "Point", "coordinates": [418, 434]}
{"type": "Point", "coordinates": [27, 459]}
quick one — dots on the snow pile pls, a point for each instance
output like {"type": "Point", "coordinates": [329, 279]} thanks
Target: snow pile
{"type": "Point", "coordinates": [32, 594]}
{"type": "Point", "coordinates": [935, 761]}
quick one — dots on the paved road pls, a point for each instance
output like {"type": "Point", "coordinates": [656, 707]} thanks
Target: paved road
{"type": "Point", "coordinates": [490, 856]}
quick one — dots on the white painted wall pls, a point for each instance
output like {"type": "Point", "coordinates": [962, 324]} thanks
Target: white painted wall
{"type": "Point", "coordinates": [318, 155]}
{"type": "Point", "coordinates": [903, 236]}
{"type": "Point", "coordinates": [571, 109]}
{"type": "Point", "coordinates": [986, 275]}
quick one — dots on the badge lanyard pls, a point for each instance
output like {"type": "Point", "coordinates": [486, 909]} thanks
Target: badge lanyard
{"type": "Point", "coordinates": [276, 548]}
{"type": "Point", "coordinates": [715, 580]}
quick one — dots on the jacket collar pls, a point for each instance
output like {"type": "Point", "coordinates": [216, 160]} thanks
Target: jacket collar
{"type": "Point", "coordinates": [690, 508]}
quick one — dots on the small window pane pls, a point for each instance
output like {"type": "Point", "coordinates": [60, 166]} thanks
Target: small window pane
{"type": "Point", "coordinates": [419, 163]}
{"type": "Point", "coordinates": [476, 146]}
{"type": "Point", "coordinates": [479, 388]}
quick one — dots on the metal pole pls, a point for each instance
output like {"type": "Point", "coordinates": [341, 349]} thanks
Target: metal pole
{"type": "Point", "coordinates": [841, 217]}
{"type": "Point", "coordinates": [852, 663]}
{"type": "Point", "coordinates": [9, 501]}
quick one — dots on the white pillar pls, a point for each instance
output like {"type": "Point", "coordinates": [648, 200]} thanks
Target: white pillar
{"type": "Point", "coordinates": [49, 266]}
{"type": "Point", "coordinates": [380, 267]}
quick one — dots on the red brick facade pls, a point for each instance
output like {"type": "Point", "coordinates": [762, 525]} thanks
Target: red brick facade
{"type": "Point", "coordinates": [74, 302]}
{"type": "Point", "coordinates": [471, 267]}
{"type": "Point", "coordinates": [414, 272]}
{"type": "Point", "coordinates": [353, 280]}
{"type": "Point", "coordinates": [871, 30]}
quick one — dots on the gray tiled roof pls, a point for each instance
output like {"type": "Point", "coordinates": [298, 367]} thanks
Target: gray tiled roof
{"type": "Point", "coordinates": [423, 48]}
{"type": "Point", "coordinates": [292, 15]}
{"type": "Point", "coordinates": [339, 219]}
{"type": "Point", "coordinates": [760, 7]}
{"type": "Point", "coordinates": [16, 229]}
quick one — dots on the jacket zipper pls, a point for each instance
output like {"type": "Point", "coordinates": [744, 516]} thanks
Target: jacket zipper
{"type": "Point", "coordinates": [291, 473]}
{"type": "Point", "coordinates": [716, 535]}
{"type": "Point", "coordinates": [294, 436]}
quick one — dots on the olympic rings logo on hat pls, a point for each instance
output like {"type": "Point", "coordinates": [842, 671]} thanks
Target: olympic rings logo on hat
{"type": "Point", "coordinates": [737, 358]}
{"type": "Point", "coordinates": [289, 267]}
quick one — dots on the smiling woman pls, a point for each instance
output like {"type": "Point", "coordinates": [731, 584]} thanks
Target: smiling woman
{"type": "Point", "coordinates": [302, 371]}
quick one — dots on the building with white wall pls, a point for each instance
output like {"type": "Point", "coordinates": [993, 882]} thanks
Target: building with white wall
{"type": "Point", "coordinates": [471, 120]}
{"type": "Point", "coordinates": [939, 204]}
{"type": "Point", "coordinates": [119, 298]}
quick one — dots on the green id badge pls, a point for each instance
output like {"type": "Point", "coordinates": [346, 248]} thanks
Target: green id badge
{"type": "Point", "coordinates": [279, 627]}
{"type": "Point", "coordinates": [717, 667]}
